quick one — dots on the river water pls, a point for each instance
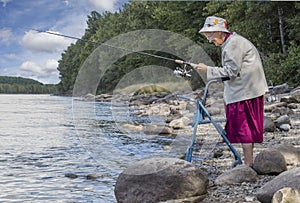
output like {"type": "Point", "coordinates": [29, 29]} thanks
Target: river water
{"type": "Point", "coordinates": [45, 137]}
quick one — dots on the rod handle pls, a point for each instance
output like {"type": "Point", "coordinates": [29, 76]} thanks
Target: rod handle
{"type": "Point", "coordinates": [179, 61]}
{"type": "Point", "coordinates": [187, 63]}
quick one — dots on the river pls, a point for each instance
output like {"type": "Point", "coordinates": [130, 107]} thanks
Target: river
{"type": "Point", "coordinates": [45, 137]}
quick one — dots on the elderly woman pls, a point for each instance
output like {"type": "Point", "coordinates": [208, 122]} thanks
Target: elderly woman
{"type": "Point", "coordinates": [244, 91]}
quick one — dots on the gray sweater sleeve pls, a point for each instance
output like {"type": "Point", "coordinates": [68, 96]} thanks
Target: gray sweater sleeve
{"type": "Point", "coordinates": [232, 58]}
{"type": "Point", "coordinates": [242, 64]}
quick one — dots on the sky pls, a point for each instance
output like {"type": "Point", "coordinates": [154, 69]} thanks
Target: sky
{"type": "Point", "coordinates": [30, 54]}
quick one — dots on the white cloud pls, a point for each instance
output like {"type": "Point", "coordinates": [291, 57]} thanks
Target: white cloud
{"type": "Point", "coordinates": [41, 71]}
{"type": "Point", "coordinates": [107, 5]}
{"type": "Point", "coordinates": [38, 56]}
{"type": "Point", "coordinates": [45, 72]}
{"type": "Point", "coordinates": [5, 2]}
{"type": "Point", "coordinates": [11, 56]}
{"type": "Point", "coordinates": [51, 66]}
{"type": "Point", "coordinates": [32, 67]}
{"type": "Point", "coordinates": [73, 24]}
{"type": "Point", "coordinates": [6, 36]}
{"type": "Point", "coordinates": [43, 42]}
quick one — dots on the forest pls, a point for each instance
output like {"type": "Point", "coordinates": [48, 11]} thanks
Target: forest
{"type": "Point", "coordinates": [271, 26]}
{"type": "Point", "coordinates": [19, 85]}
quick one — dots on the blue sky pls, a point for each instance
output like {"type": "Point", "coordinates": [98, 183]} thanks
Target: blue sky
{"type": "Point", "coordinates": [29, 54]}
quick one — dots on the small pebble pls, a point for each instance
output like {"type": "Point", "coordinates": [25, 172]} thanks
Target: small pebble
{"type": "Point", "coordinates": [92, 176]}
{"type": "Point", "coordinates": [71, 175]}
{"type": "Point", "coordinates": [249, 198]}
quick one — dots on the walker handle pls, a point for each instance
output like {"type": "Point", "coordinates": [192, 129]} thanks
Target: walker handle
{"type": "Point", "coordinates": [225, 78]}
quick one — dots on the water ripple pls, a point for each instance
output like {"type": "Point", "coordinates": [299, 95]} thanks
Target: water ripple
{"type": "Point", "coordinates": [41, 142]}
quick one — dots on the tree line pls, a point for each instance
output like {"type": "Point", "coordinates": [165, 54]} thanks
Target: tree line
{"type": "Point", "coordinates": [272, 26]}
{"type": "Point", "coordinates": [19, 85]}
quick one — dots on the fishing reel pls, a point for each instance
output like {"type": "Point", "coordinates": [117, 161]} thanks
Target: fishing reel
{"type": "Point", "coordinates": [182, 72]}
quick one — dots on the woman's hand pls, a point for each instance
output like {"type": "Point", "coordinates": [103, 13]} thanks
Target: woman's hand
{"type": "Point", "coordinates": [201, 67]}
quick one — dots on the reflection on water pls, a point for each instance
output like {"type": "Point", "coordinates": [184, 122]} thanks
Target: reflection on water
{"type": "Point", "coordinates": [45, 137]}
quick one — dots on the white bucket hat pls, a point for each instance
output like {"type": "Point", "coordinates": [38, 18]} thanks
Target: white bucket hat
{"type": "Point", "coordinates": [214, 24]}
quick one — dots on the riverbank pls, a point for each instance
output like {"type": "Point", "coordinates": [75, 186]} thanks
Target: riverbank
{"type": "Point", "coordinates": [216, 164]}
{"type": "Point", "coordinates": [213, 156]}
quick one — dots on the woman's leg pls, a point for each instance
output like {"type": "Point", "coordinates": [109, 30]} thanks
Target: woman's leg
{"type": "Point", "coordinates": [248, 153]}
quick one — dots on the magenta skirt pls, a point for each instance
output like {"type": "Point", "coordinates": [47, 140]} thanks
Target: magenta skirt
{"type": "Point", "coordinates": [245, 121]}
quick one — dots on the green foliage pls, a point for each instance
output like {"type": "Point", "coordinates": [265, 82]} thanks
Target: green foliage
{"type": "Point", "coordinates": [18, 85]}
{"type": "Point", "coordinates": [294, 24]}
{"type": "Point", "coordinates": [18, 80]}
{"type": "Point", "coordinates": [273, 68]}
{"type": "Point", "coordinates": [291, 65]}
{"type": "Point", "coordinates": [151, 89]}
{"type": "Point", "coordinates": [257, 21]}
{"type": "Point", "coordinates": [281, 68]}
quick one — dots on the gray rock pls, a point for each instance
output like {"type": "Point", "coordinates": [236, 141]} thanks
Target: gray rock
{"type": "Point", "coordinates": [285, 119]}
{"type": "Point", "coordinates": [89, 97]}
{"type": "Point", "coordinates": [166, 131]}
{"type": "Point", "coordinates": [269, 161]}
{"type": "Point", "coordinates": [282, 111]}
{"type": "Point", "coordinates": [71, 175]}
{"type": "Point", "coordinates": [285, 127]}
{"type": "Point", "coordinates": [286, 195]}
{"type": "Point", "coordinates": [170, 118]}
{"type": "Point", "coordinates": [157, 130]}
{"type": "Point", "coordinates": [160, 179]}
{"type": "Point", "coordinates": [92, 176]}
{"type": "Point", "coordinates": [179, 123]}
{"type": "Point", "coordinates": [239, 174]}
{"type": "Point", "coordinates": [187, 200]}
{"type": "Point", "coordinates": [103, 98]}
{"type": "Point", "coordinates": [291, 154]}
{"type": "Point", "coordinates": [279, 89]}
{"type": "Point", "coordinates": [213, 110]}
{"type": "Point", "coordinates": [269, 125]}
{"type": "Point", "coordinates": [289, 178]}
{"type": "Point", "coordinates": [296, 95]}
{"type": "Point", "coordinates": [271, 107]}
{"type": "Point", "coordinates": [250, 198]}
{"type": "Point", "coordinates": [190, 107]}
{"type": "Point", "coordinates": [293, 106]}
{"type": "Point", "coordinates": [132, 128]}
{"type": "Point", "coordinates": [288, 99]}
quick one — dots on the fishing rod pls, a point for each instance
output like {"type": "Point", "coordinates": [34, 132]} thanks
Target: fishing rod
{"type": "Point", "coordinates": [178, 71]}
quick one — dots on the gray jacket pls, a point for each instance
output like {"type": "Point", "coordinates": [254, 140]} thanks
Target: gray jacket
{"type": "Point", "coordinates": [242, 64]}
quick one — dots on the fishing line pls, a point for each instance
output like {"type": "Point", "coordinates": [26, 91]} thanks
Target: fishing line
{"type": "Point", "coordinates": [117, 47]}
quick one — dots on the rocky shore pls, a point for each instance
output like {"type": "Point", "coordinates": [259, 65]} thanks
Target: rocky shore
{"type": "Point", "coordinates": [282, 129]}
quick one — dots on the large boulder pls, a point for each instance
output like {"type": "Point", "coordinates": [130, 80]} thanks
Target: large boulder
{"type": "Point", "coordinates": [290, 178]}
{"type": "Point", "coordinates": [186, 200]}
{"type": "Point", "coordinates": [286, 195]}
{"type": "Point", "coordinates": [269, 161]}
{"type": "Point", "coordinates": [160, 179]}
{"type": "Point", "coordinates": [291, 154]}
{"type": "Point", "coordinates": [239, 174]}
